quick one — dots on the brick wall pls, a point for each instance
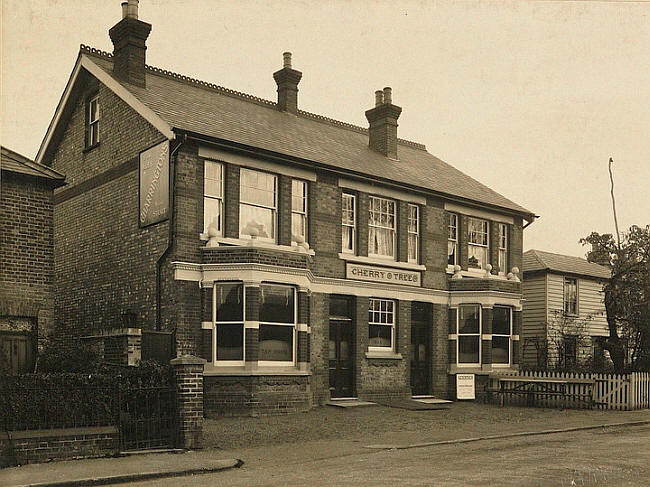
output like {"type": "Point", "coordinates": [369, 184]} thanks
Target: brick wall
{"type": "Point", "coordinates": [26, 249]}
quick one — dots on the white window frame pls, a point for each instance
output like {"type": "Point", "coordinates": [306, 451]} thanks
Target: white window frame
{"type": "Point", "coordinates": [478, 334]}
{"type": "Point", "coordinates": [379, 199]}
{"type": "Point", "coordinates": [211, 197]}
{"type": "Point", "coordinates": [503, 248]}
{"type": "Point", "coordinates": [274, 208]}
{"type": "Point", "coordinates": [299, 213]}
{"type": "Point", "coordinates": [414, 232]}
{"type": "Point", "coordinates": [509, 336]}
{"type": "Point", "coordinates": [277, 363]}
{"type": "Point", "coordinates": [215, 323]}
{"type": "Point", "coordinates": [564, 297]}
{"type": "Point", "coordinates": [352, 226]}
{"type": "Point", "coordinates": [452, 240]}
{"type": "Point", "coordinates": [392, 314]}
{"type": "Point", "coordinates": [92, 124]}
{"type": "Point", "coordinates": [470, 243]}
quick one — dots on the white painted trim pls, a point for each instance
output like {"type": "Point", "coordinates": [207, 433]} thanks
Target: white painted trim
{"type": "Point", "coordinates": [486, 336]}
{"type": "Point", "coordinates": [251, 325]}
{"type": "Point", "coordinates": [381, 191]}
{"type": "Point", "coordinates": [207, 325]}
{"type": "Point", "coordinates": [304, 327]}
{"type": "Point", "coordinates": [484, 214]}
{"type": "Point", "coordinates": [514, 337]}
{"type": "Point", "coordinates": [381, 262]}
{"type": "Point", "coordinates": [452, 336]}
{"type": "Point", "coordinates": [246, 161]}
{"type": "Point", "coordinates": [111, 83]}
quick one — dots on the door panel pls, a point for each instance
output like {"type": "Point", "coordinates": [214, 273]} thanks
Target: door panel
{"type": "Point", "coordinates": [341, 358]}
{"type": "Point", "coordinates": [420, 358]}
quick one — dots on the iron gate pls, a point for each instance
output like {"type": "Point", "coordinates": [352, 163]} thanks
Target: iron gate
{"type": "Point", "coordinates": [147, 418]}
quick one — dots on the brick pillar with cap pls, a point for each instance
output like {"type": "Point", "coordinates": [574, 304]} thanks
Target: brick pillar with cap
{"type": "Point", "coordinates": [188, 373]}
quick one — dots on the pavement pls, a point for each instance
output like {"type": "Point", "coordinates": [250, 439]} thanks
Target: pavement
{"type": "Point", "coordinates": [143, 467]}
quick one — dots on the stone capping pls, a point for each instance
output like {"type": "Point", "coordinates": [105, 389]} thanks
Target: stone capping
{"type": "Point", "coordinates": [56, 432]}
{"type": "Point", "coordinates": [188, 360]}
{"type": "Point", "coordinates": [225, 371]}
{"type": "Point", "coordinates": [117, 332]}
{"type": "Point", "coordinates": [230, 242]}
{"type": "Point", "coordinates": [372, 354]}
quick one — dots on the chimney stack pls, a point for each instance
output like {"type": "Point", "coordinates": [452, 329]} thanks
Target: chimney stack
{"type": "Point", "coordinates": [383, 123]}
{"type": "Point", "coordinates": [287, 80]}
{"type": "Point", "coordinates": [129, 37]}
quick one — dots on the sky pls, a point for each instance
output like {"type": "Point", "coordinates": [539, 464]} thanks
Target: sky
{"type": "Point", "coordinates": [530, 98]}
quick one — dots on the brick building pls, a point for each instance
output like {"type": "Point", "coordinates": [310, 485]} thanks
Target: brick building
{"type": "Point", "coordinates": [26, 257]}
{"type": "Point", "coordinates": [304, 258]}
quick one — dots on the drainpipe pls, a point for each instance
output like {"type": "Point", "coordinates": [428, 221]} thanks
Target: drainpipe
{"type": "Point", "coordinates": [170, 239]}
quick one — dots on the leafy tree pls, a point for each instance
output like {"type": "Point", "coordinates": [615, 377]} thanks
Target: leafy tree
{"type": "Point", "coordinates": [627, 295]}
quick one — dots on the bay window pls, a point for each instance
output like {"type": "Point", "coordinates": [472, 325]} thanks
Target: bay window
{"type": "Point", "coordinates": [413, 233]}
{"type": "Point", "coordinates": [381, 228]}
{"type": "Point", "coordinates": [452, 240]}
{"type": "Point", "coordinates": [348, 223]}
{"type": "Point", "coordinates": [477, 245]}
{"type": "Point", "coordinates": [469, 334]}
{"type": "Point", "coordinates": [381, 321]}
{"type": "Point", "coordinates": [213, 196]}
{"type": "Point", "coordinates": [570, 296]}
{"type": "Point", "coordinates": [277, 324]}
{"type": "Point", "coordinates": [258, 205]}
{"type": "Point", "coordinates": [503, 248]}
{"type": "Point", "coordinates": [229, 323]}
{"type": "Point", "coordinates": [298, 210]}
{"type": "Point", "coordinates": [501, 335]}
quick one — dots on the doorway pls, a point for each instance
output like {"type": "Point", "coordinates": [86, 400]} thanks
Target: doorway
{"type": "Point", "coordinates": [420, 349]}
{"type": "Point", "coordinates": [341, 348]}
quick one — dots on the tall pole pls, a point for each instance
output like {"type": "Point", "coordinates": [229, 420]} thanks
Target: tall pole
{"type": "Point", "coordinates": [611, 179]}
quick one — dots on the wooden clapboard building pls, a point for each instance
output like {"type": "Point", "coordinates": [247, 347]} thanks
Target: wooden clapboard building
{"type": "Point", "coordinates": [304, 258]}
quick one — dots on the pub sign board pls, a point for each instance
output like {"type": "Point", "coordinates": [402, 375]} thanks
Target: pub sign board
{"type": "Point", "coordinates": [385, 275]}
{"type": "Point", "coordinates": [465, 386]}
{"type": "Point", "coordinates": [154, 184]}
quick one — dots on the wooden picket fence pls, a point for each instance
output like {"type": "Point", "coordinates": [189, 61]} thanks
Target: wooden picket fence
{"type": "Point", "coordinates": [623, 392]}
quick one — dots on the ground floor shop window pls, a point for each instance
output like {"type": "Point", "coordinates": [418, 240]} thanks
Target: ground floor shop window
{"type": "Point", "coordinates": [381, 321]}
{"type": "Point", "coordinates": [501, 335]}
{"type": "Point", "coordinates": [277, 325]}
{"type": "Point", "coordinates": [229, 323]}
{"type": "Point", "coordinates": [469, 334]}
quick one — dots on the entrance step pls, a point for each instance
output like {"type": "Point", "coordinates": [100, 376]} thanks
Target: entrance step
{"type": "Point", "coordinates": [349, 402]}
{"type": "Point", "coordinates": [416, 404]}
{"type": "Point", "coordinates": [430, 400]}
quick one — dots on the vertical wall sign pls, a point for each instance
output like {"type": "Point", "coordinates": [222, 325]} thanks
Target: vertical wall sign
{"type": "Point", "coordinates": [154, 184]}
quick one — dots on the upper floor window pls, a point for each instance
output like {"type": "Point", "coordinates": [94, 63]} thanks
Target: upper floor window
{"type": "Point", "coordinates": [381, 321]}
{"type": "Point", "coordinates": [452, 240]}
{"type": "Point", "coordinates": [381, 228]}
{"type": "Point", "coordinates": [570, 296]}
{"type": "Point", "coordinates": [477, 244]}
{"type": "Point", "coordinates": [213, 196]}
{"type": "Point", "coordinates": [503, 248]}
{"type": "Point", "coordinates": [349, 223]}
{"type": "Point", "coordinates": [469, 334]}
{"type": "Point", "coordinates": [414, 232]}
{"type": "Point", "coordinates": [92, 121]}
{"type": "Point", "coordinates": [277, 324]}
{"type": "Point", "coordinates": [298, 210]}
{"type": "Point", "coordinates": [258, 205]}
{"type": "Point", "coordinates": [501, 335]}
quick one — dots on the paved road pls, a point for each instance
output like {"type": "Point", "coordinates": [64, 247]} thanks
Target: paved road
{"type": "Point", "coordinates": [616, 457]}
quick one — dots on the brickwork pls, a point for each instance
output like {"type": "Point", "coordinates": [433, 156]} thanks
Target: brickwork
{"type": "Point", "coordinates": [324, 225]}
{"type": "Point", "coordinates": [494, 246]}
{"type": "Point", "coordinates": [402, 231]}
{"type": "Point", "coordinates": [363, 214]}
{"type": "Point", "coordinates": [470, 284]}
{"type": "Point", "coordinates": [319, 346]}
{"type": "Point", "coordinates": [284, 210]}
{"type": "Point", "coordinates": [439, 351]}
{"type": "Point", "coordinates": [433, 229]}
{"type": "Point", "coordinates": [228, 255]}
{"type": "Point", "coordinates": [188, 374]}
{"type": "Point", "coordinates": [486, 352]}
{"type": "Point", "coordinates": [516, 246]}
{"type": "Point", "coordinates": [26, 250]}
{"type": "Point", "coordinates": [231, 201]}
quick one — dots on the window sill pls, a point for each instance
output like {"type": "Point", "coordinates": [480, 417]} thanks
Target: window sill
{"type": "Point", "coordinates": [477, 274]}
{"type": "Point", "coordinates": [225, 242]}
{"type": "Point", "coordinates": [383, 355]}
{"type": "Point", "coordinates": [89, 148]}
{"type": "Point", "coordinates": [381, 262]}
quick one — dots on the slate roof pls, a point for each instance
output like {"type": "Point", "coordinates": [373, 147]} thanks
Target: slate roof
{"type": "Point", "coordinates": [14, 162]}
{"type": "Point", "coordinates": [535, 260]}
{"type": "Point", "coordinates": [203, 108]}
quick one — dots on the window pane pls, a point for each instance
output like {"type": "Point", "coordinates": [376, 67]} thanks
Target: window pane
{"type": "Point", "coordinates": [451, 253]}
{"type": "Point", "coordinates": [413, 247]}
{"type": "Point", "coordinates": [229, 302]}
{"type": "Point", "coordinates": [298, 193]}
{"type": "Point", "coordinates": [500, 350]}
{"type": "Point", "coordinates": [257, 188]}
{"type": "Point", "coordinates": [212, 179]}
{"type": "Point", "coordinates": [263, 219]}
{"type": "Point", "coordinates": [276, 304]}
{"type": "Point", "coordinates": [298, 226]}
{"type": "Point", "coordinates": [468, 349]}
{"type": "Point", "coordinates": [468, 319]}
{"type": "Point", "coordinates": [230, 342]}
{"type": "Point", "coordinates": [212, 214]}
{"type": "Point", "coordinates": [381, 241]}
{"type": "Point", "coordinates": [453, 224]}
{"type": "Point", "coordinates": [501, 321]}
{"type": "Point", "coordinates": [347, 238]}
{"type": "Point", "coordinates": [380, 336]}
{"type": "Point", "coordinates": [276, 343]}
{"type": "Point", "coordinates": [477, 256]}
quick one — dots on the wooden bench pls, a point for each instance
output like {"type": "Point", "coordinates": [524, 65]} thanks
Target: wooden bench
{"type": "Point", "coordinates": [536, 388]}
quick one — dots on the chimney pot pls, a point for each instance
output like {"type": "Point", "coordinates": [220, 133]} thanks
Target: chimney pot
{"type": "Point", "coordinates": [286, 59]}
{"type": "Point", "coordinates": [379, 98]}
{"type": "Point", "coordinates": [132, 9]}
{"type": "Point", "coordinates": [388, 95]}
{"type": "Point", "coordinates": [125, 9]}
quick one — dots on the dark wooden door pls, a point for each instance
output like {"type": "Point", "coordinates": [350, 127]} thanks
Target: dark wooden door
{"type": "Point", "coordinates": [420, 358]}
{"type": "Point", "coordinates": [341, 358]}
